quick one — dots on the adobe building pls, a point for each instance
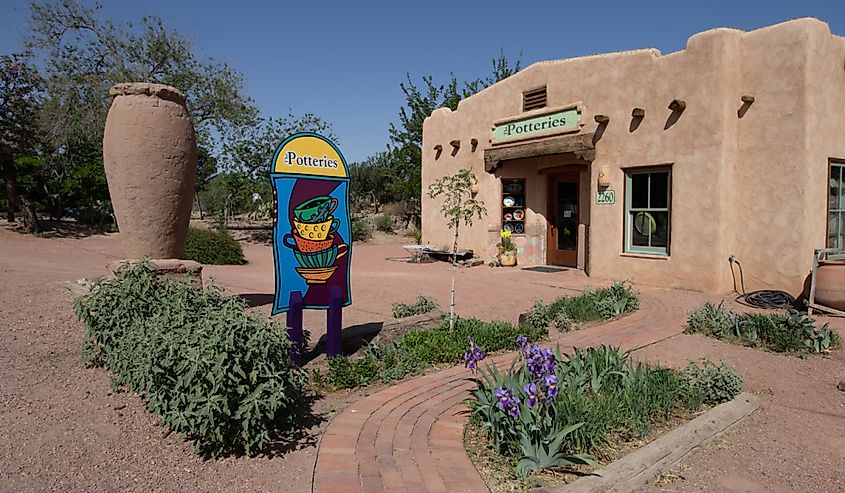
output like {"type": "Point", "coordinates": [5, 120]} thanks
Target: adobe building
{"type": "Point", "coordinates": [658, 168]}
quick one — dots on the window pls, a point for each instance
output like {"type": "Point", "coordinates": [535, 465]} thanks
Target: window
{"type": "Point", "coordinates": [533, 99]}
{"type": "Point", "coordinates": [647, 202]}
{"type": "Point", "coordinates": [836, 206]}
{"type": "Point", "coordinates": [513, 205]}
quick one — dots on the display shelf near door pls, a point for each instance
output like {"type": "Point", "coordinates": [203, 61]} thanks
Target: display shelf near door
{"type": "Point", "coordinates": [513, 205]}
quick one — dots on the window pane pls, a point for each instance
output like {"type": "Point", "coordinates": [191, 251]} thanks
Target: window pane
{"type": "Point", "coordinates": [639, 190]}
{"type": "Point", "coordinates": [650, 229]}
{"type": "Point", "coordinates": [835, 187]}
{"type": "Point", "coordinates": [659, 190]}
{"type": "Point", "coordinates": [640, 228]}
{"type": "Point", "coordinates": [660, 235]}
{"type": "Point", "coordinates": [841, 188]}
{"type": "Point", "coordinates": [833, 228]}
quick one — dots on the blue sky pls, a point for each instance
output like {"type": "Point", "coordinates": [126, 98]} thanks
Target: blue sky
{"type": "Point", "coordinates": [344, 60]}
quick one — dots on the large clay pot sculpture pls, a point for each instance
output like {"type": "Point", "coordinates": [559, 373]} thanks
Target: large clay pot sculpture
{"type": "Point", "coordinates": [150, 156]}
{"type": "Point", "coordinates": [830, 284]}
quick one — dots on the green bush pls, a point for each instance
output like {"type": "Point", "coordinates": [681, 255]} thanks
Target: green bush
{"type": "Point", "coordinates": [384, 222]}
{"type": "Point", "coordinates": [361, 230]}
{"type": "Point", "coordinates": [710, 319]}
{"type": "Point", "coordinates": [422, 305]}
{"type": "Point", "coordinates": [790, 332]}
{"type": "Point", "coordinates": [215, 373]}
{"type": "Point", "coordinates": [421, 349]}
{"type": "Point", "coordinates": [598, 304]}
{"type": "Point", "coordinates": [212, 247]}
{"type": "Point", "coordinates": [345, 373]}
{"type": "Point", "coordinates": [714, 384]}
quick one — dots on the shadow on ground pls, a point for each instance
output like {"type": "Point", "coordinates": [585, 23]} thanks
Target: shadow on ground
{"type": "Point", "coordinates": [354, 339]}
{"type": "Point", "coordinates": [254, 300]}
{"type": "Point", "coordinates": [59, 229]}
{"type": "Point", "coordinates": [306, 434]}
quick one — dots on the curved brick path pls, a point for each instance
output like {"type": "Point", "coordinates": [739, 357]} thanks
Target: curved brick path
{"type": "Point", "coordinates": [409, 437]}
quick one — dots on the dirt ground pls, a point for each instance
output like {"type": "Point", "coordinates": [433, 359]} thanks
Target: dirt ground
{"type": "Point", "coordinates": [66, 429]}
{"type": "Point", "coordinates": [794, 442]}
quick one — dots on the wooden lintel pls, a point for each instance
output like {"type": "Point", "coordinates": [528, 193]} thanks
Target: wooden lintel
{"type": "Point", "coordinates": [580, 144]}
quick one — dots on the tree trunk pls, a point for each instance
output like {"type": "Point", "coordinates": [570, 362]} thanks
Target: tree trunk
{"type": "Point", "coordinates": [10, 179]}
{"type": "Point", "coordinates": [454, 271]}
{"type": "Point", "coordinates": [199, 204]}
{"type": "Point", "coordinates": [13, 197]}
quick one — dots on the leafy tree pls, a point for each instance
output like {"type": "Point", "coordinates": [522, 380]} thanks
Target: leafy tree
{"type": "Point", "coordinates": [206, 169]}
{"type": "Point", "coordinates": [406, 138]}
{"type": "Point", "coordinates": [373, 181]}
{"type": "Point", "coordinates": [250, 149]}
{"type": "Point", "coordinates": [459, 207]}
{"type": "Point", "coordinates": [20, 99]}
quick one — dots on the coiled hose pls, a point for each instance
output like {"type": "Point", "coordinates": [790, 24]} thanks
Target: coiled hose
{"type": "Point", "coordinates": [764, 298]}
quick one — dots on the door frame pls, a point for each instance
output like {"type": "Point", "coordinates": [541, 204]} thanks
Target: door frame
{"type": "Point", "coordinates": [553, 257]}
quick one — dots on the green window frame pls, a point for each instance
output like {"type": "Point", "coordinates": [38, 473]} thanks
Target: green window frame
{"type": "Point", "coordinates": [648, 200]}
{"type": "Point", "coordinates": [836, 206]}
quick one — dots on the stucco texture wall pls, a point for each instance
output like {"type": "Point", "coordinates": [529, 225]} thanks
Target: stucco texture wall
{"type": "Point", "coordinates": [751, 186]}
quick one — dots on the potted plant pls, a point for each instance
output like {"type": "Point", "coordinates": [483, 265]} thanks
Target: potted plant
{"type": "Point", "coordinates": [507, 249]}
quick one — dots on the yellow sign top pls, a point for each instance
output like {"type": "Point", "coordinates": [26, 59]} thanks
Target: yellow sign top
{"type": "Point", "coordinates": [310, 154]}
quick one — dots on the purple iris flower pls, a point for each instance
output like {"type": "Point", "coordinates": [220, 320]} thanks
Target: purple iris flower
{"type": "Point", "coordinates": [473, 355]}
{"type": "Point", "coordinates": [507, 401]}
{"type": "Point", "coordinates": [532, 392]}
{"type": "Point", "coordinates": [522, 343]}
{"type": "Point", "coordinates": [550, 385]}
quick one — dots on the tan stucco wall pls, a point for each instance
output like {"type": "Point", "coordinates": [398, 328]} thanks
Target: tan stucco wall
{"type": "Point", "coordinates": [753, 187]}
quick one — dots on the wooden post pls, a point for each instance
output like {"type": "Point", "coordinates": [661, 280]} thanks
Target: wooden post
{"type": "Point", "coordinates": [334, 323]}
{"type": "Point", "coordinates": [294, 324]}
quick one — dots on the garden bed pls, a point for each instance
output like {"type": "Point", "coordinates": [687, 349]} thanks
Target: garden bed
{"type": "Point", "coordinates": [791, 332]}
{"type": "Point", "coordinates": [551, 418]}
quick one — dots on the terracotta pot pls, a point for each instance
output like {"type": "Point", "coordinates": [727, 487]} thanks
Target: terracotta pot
{"type": "Point", "coordinates": [507, 259]}
{"type": "Point", "coordinates": [830, 284]}
{"type": "Point", "coordinates": [150, 156]}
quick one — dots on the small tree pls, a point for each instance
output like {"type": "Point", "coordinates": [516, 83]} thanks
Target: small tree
{"type": "Point", "coordinates": [458, 208]}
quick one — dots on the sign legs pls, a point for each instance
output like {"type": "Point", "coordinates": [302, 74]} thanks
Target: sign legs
{"type": "Point", "coordinates": [294, 324]}
{"type": "Point", "coordinates": [334, 323]}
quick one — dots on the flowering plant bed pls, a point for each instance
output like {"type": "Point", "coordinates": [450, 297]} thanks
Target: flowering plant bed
{"type": "Point", "coordinates": [552, 412]}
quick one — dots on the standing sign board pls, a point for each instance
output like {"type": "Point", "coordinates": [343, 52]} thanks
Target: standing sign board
{"type": "Point", "coordinates": [312, 242]}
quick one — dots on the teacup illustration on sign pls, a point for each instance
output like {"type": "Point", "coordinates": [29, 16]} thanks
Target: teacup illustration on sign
{"type": "Point", "coordinates": [313, 239]}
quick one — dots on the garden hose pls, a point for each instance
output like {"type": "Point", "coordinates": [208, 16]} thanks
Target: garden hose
{"type": "Point", "coordinates": [764, 298]}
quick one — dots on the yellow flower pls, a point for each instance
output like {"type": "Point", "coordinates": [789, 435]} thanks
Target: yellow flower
{"type": "Point", "coordinates": [505, 234]}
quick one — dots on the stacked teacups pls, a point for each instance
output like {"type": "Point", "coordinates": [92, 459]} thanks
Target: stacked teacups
{"type": "Point", "coordinates": [313, 239]}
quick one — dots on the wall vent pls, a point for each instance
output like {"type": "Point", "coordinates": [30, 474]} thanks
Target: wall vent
{"type": "Point", "coordinates": [533, 99]}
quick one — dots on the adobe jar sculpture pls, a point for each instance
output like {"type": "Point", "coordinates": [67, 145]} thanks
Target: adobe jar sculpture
{"type": "Point", "coordinates": [150, 157]}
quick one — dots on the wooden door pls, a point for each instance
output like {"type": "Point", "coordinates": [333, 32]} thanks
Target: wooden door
{"type": "Point", "coordinates": [563, 219]}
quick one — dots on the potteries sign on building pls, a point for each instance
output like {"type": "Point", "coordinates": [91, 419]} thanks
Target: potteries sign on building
{"type": "Point", "coordinates": [312, 242]}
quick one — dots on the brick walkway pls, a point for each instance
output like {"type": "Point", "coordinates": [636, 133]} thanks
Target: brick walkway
{"type": "Point", "coordinates": [409, 437]}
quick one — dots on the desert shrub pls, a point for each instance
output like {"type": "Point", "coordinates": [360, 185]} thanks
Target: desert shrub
{"type": "Point", "coordinates": [789, 332]}
{"type": "Point", "coordinates": [417, 235]}
{"type": "Point", "coordinates": [551, 410]}
{"type": "Point", "coordinates": [591, 305]}
{"type": "Point", "coordinates": [361, 230]}
{"type": "Point", "coordinates": [215, 373]}
{"type": "Point", "coordinates": [422, 305]}
{"type": "Point", "coordinates": [563, 322]}
{"type": "Point", "coordinates": [384, 222]}
{"type": "Point", "coordinates": [212, 247]}
{"type": "Point", "coordinates": [709, 319]}
{"type": "Point", "coordinates": [714, 384]}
